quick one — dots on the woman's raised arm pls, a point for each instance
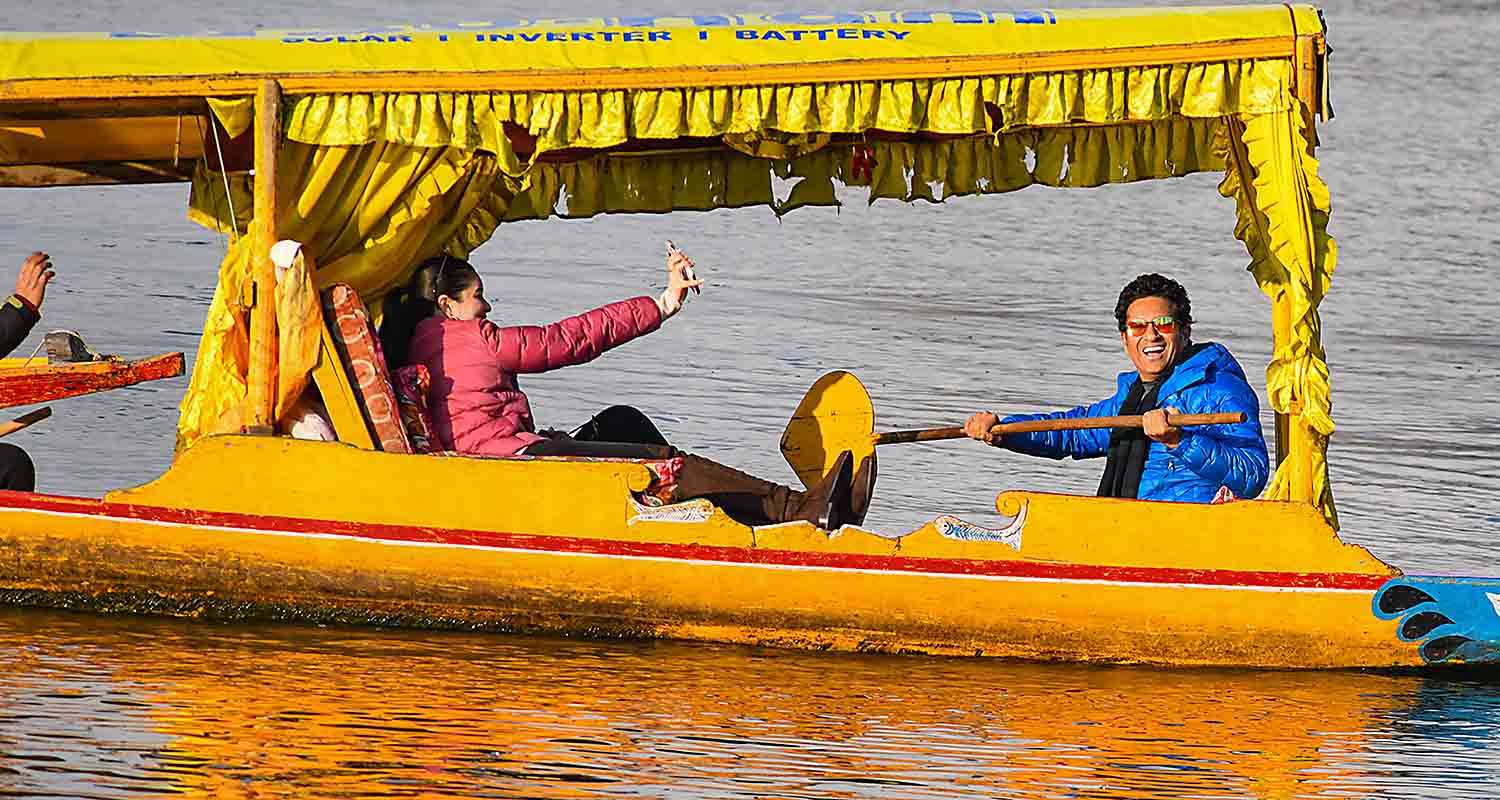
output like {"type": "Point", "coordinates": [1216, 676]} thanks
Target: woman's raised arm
{"type": "Point", "coordinates": [576, 340]}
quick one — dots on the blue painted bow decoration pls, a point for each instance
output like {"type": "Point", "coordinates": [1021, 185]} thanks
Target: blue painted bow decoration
{"type": "Point", "coordinates": [1453, 620]}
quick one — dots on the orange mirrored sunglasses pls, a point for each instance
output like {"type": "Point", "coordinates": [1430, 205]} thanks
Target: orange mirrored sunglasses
{"type": "Point", "coordinates": [1165, 325]}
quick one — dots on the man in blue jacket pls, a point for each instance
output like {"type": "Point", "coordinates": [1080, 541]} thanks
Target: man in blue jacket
{"type": "Point", "coordinates": [1172, 374]}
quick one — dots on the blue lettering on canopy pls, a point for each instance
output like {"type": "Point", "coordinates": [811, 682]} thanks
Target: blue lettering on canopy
{"type": "Point", "coordinates": [1031, 17]}
{"type": "Point", "coordinates": [821, 35]}
{"type": "Point", "coordinates": [926, 17]}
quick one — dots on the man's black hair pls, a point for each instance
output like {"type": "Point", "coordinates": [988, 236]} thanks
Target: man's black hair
{"type": "Point", "coordinates": [1155, 285]}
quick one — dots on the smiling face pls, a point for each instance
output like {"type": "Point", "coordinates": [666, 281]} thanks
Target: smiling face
{"type": "Point", "coordinates": [469, 304]}
{"type": "Point", "coordinates": [1152, 350]}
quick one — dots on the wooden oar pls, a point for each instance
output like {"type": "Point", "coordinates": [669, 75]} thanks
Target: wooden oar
{"type": "Point", "coordinates": [1078, 424]}
{"type": "Point", "coordinates": [25, 420]}
{"type": "Point", "coordinates": [836, 415]}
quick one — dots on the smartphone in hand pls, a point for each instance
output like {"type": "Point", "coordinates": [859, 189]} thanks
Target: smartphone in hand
{"type": "Point", "coordinates": [692, 276]}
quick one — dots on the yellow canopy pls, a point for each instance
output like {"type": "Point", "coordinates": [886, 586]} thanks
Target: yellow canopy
{"type": "Point", "coordinates": [109, 99]}
{"type": "Point", "coordinates": [635, 52]}
{"type": "Point", "coordinates": [398, 143]}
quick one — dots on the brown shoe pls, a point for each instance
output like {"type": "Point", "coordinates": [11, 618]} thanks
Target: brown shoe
{"type": "Point", "coordinates": [825, 505]}
{"type": "Point", "coordinates": [862, 491]}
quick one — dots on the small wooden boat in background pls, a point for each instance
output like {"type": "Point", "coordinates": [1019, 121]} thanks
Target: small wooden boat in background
{"type": "Point", "coordinates": [24, 381]}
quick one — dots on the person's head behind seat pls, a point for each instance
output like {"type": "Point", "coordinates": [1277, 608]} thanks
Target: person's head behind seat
{"type": "Point", "coordinates": [1155, 319]}
{"type": "Point", "coordinates": [438, 281]}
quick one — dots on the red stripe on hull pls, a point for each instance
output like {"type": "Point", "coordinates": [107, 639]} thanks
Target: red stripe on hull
{"type": "Point", "coordinates": [694, 552]}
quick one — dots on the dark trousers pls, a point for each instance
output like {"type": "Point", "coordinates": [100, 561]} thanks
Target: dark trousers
{"type": "Point", "coordinates": [615, 432]}
{"type": "Point", "coordinates": [16, 470]}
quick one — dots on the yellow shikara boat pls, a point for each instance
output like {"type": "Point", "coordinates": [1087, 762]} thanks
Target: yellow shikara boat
{"type": "Point", "coordinates": [376, 148]}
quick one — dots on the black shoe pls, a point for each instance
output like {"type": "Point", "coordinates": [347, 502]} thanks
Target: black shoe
{"type": "Point", "coordinates": [862, 491]}
{"type": "Point", "coordinates": [826, 504]}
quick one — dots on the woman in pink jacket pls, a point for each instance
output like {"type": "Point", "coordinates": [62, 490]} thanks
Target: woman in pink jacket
{"type": "Point", "coordinates": [441, 321]}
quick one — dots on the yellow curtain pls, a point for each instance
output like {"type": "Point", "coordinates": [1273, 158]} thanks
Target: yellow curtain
{"type": "Point", "coordinates": [1282, 209]}
{"type": "Point", "coordinates": [751, 115]}
{"type": "Point", "coordinates": [367, 214]}
{"type": "Point", "coordinates": [299, 321]}
{"type": "Point", "coordinates": [212, 197]}
{"type": "Point", "coordinates": [1083, 128]}
{"type": "Point", "coordinates": [933, 170]}
{"type": "Point", "coordinates": [1109, 125]}
{"type": "Point", "coordinates": [235, 114]}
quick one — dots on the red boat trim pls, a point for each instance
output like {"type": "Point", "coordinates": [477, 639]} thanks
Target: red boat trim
{"type": "Point", "coordinates": [573, 545]}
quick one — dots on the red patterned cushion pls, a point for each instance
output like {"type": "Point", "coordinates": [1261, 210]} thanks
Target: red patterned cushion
{"type": "Point", "coordinates": [412, 383]}
{"type": "Point", "coordinates": [360, 348]}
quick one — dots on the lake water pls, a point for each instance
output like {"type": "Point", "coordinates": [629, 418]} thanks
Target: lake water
{"type": "Point", "coordinates": [123, 708]}
{"type": "Point", "coordinates": [1002, 303]}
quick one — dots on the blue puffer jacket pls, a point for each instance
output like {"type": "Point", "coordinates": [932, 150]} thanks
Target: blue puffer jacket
{"type": "Point", "coordinates": [1207, 456]}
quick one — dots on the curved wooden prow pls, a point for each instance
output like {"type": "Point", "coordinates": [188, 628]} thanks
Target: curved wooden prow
{"type": "Point", "coordinates": [22, 384]}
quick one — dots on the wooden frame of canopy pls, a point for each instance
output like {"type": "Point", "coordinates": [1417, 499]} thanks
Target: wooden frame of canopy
{"type": "Point", "coordinates": [156, 100]}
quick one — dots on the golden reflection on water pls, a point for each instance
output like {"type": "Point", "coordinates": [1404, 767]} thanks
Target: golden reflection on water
{"type": "Point", "coordinates": [212, 711]}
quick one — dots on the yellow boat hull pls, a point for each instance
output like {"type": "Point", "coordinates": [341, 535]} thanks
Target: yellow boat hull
{"type": "Point", "coordinates": [277, 528]}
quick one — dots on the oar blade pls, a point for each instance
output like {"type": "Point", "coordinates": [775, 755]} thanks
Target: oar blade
{"type": "Point", "coordinates": [835, 415]}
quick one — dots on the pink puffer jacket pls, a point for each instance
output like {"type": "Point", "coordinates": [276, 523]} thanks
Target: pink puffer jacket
{"type": "Point", "coordinates": [477, 405]}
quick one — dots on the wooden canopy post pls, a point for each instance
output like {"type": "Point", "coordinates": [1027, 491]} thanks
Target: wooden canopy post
{"type": "Point", "coordinates": [262, 377]}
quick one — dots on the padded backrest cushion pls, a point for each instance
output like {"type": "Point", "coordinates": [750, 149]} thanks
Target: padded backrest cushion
{"type": "Point", "coordinates": [359, 348]}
